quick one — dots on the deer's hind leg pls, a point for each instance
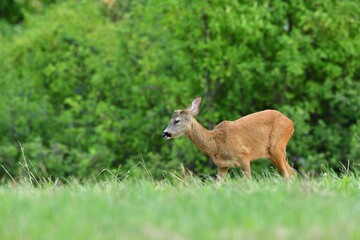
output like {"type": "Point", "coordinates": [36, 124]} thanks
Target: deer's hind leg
{"type": "Point", "coordinates": [278, 158]}
{"type": "Point", "coordinates": [277, 150]}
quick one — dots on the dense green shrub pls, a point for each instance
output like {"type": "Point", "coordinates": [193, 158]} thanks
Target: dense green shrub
{"type": "Point", "coordinates": [10, 11]}
{"type": "Point", "coordinates": [87, 85]}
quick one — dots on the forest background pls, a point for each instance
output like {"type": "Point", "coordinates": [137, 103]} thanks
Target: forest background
{"type": "Point", "coordinates": [90, 85]}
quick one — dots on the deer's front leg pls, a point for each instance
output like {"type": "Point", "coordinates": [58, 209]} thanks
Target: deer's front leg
{"type": "Point", "coordinates": [245, 165]}
{"type": "Point", "coordinates": [221, 175]}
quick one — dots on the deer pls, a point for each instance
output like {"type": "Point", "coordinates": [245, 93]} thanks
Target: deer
{"type": "Point", "coordinates": [237, 143]}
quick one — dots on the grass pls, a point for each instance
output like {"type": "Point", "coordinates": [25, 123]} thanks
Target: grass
{"type": "Point", "coordinates": [268, 207]}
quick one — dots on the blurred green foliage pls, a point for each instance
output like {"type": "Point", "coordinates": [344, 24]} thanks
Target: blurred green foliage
{"type": "Point", "coordinates": [88, 85]}
{"type": "Point", "coordinates": [10, 11]}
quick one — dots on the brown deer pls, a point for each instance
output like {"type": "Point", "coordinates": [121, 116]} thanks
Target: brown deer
{"type": "Point", "coordinates": [236, 143]}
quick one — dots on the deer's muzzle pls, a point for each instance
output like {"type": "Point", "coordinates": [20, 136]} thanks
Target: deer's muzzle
{"type": "Point", "coordinates": [166, 135]}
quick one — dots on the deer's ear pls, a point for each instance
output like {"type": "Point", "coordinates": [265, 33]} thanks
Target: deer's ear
{"type": "Point", "coordinates": [194, 107]}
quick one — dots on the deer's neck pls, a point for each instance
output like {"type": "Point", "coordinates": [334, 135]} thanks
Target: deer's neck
{"type": "Point", "coordinates": [202, 138]}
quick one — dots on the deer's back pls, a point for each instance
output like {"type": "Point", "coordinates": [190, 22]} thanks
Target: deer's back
{"type": "Point", "coordinates": [262, 119]}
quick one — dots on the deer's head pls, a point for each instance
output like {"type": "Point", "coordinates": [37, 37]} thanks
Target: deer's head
{"type": "Point", "coordinates": [181, 121]}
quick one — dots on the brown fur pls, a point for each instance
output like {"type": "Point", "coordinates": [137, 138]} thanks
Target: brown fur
{"type": "Point", "coordinates": [236, 143]}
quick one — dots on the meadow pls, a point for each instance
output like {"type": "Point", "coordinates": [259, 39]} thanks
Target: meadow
{"type": "Point", "coordinates": [183, 207]}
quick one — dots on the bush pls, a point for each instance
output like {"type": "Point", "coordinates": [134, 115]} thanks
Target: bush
{"type": "Point", "coordinates": [88, 86]}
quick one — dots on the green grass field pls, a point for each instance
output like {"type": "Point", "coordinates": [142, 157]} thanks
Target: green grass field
{"type": "Point", "coordinates": [326, 207]}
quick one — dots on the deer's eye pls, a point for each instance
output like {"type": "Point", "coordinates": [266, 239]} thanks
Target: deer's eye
{"type": "Point", "coordinates": [176, 121]}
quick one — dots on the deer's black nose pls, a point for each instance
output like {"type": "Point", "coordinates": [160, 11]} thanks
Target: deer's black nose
{"type": "Point", "coordinates": [166, 135]}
